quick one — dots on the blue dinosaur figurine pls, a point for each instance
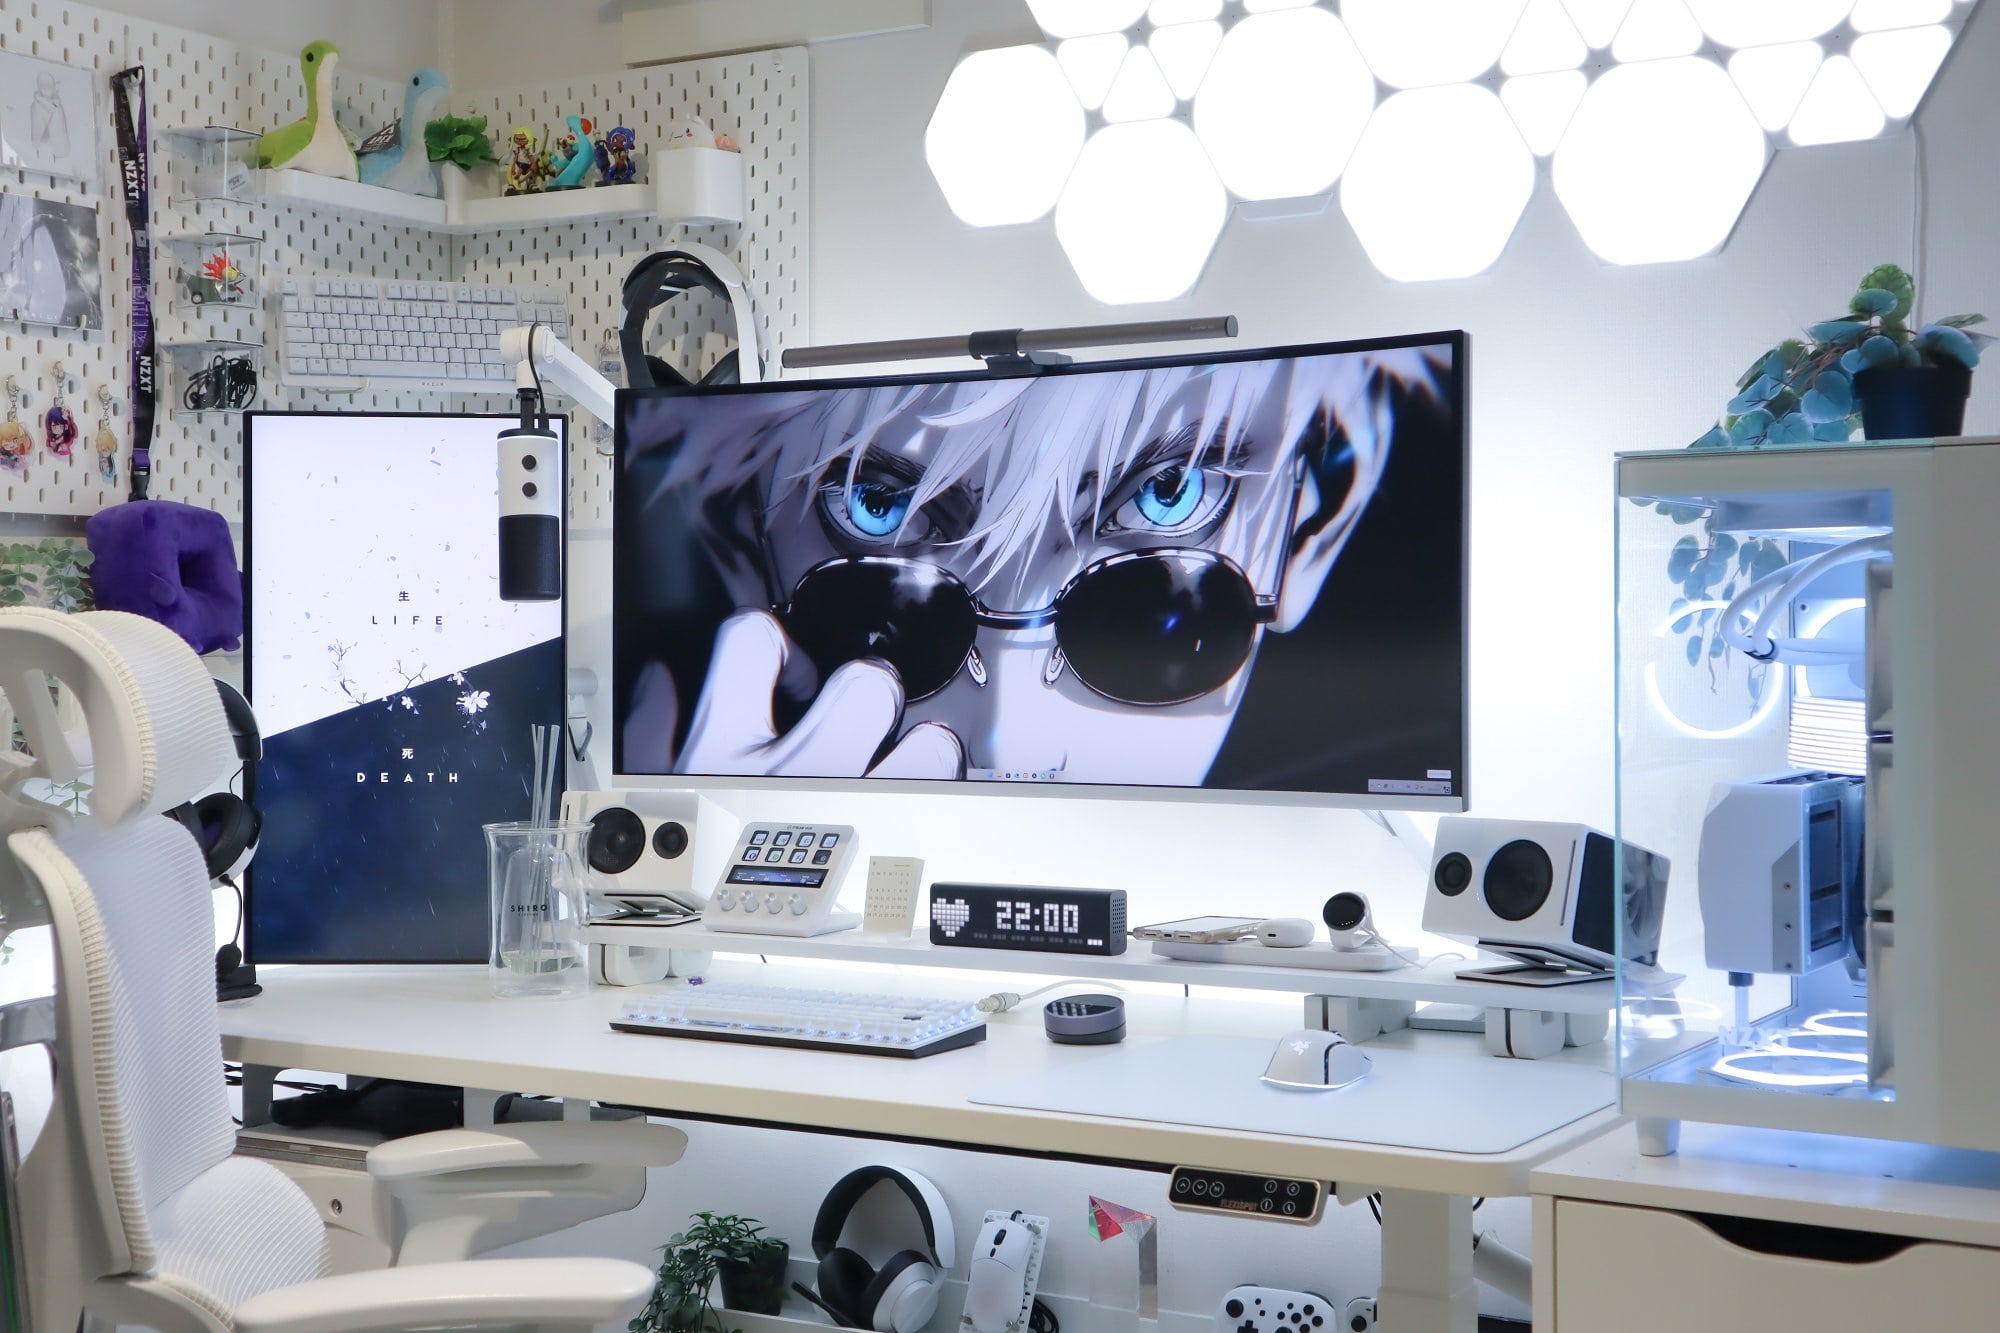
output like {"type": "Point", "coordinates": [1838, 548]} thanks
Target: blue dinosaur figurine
{"type": "Point", "coordinates": [405, 165]}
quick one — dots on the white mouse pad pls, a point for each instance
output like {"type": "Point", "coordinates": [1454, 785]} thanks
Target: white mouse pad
{"type": "Point", "coordinates": [1461, 1104]}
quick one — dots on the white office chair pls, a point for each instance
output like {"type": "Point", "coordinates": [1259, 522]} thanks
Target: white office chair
{"type": "Point", "coordinates": [139, 1214]}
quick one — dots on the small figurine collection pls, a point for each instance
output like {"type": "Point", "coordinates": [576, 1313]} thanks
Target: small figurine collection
{"type": "Point", "coordinates": [389, 157]}
{"type": "Point", "coordinates": [532, 169]}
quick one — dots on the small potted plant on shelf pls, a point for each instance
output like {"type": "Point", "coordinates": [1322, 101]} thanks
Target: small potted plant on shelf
{"type": "Point", "coordinates": [1867, 367]}
{"type": "Point", "coordinates": [750, 1264]}
{"type": "Point", "coordinates": [462, 142]}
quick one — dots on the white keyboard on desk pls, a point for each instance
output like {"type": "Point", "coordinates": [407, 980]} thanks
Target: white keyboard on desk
{"type": "Point", "coordinates": [445, 336]}
{"type": "Point", "coordinates": [819, 1020]}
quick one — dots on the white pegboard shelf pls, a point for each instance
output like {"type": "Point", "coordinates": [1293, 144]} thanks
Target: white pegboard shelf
{"type": "Point", "coordinates": [692, 186]}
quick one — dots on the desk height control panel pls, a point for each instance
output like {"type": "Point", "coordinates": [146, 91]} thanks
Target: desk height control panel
{"type": "Point", "coordinates": [783, 879]}
{"type": "Point", "coordinates": [1274, 1198]}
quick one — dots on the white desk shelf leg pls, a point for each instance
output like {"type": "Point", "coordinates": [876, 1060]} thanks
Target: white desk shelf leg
{"type": "Point", "coordinates": [1427, 1284]}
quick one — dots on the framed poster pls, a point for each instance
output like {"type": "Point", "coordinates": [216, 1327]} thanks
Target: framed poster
{"type": "Point", "coordinates": [50, 267]}
{"type": "Point", "coordinates": [48, 117]}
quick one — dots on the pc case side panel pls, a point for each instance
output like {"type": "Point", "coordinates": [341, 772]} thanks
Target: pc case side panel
{"type": "Point", "coordinates": [1947, 826]}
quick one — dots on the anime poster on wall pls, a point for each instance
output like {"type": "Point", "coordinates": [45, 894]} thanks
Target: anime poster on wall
{"type": "Point", "coordinates": [48, 117]}
{"type": "Point", "coordinates": [49, 264]}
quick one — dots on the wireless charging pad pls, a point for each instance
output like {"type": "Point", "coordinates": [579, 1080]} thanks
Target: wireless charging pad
{"type": "Point", "coordinates": [1085, 1020]}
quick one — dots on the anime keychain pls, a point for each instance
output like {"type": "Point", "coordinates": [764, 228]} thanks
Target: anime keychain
{"type": "Point", "coordinates": [105, 442]}
{"type": "Point", "coordinates": [15, 442]}
{"type": "Point", "coordinates": [58, 425]}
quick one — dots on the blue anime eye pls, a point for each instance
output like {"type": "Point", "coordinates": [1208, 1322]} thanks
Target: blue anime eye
{"type": "Point", "coordinates": [1175, 500]}
{"type": "Point", "coordinates": [877, 510]}
{"type": "Point", "coordinates": [872, 509]}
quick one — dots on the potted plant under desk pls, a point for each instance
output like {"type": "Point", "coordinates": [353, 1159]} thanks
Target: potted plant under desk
{"type": "Point", "coordinates": [750, 1264]}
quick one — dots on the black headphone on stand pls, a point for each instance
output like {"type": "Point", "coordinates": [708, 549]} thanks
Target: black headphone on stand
{"type": "Point", "coordinates": [660, 277]}
{"type": "Point", "coordinates": [901, 1295]}
{"type": "Point", "coordinates": [226, 827]}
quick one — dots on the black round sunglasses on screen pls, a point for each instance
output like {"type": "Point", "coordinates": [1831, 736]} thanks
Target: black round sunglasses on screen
{"type": "Point", "coordinates": [1143, 627]}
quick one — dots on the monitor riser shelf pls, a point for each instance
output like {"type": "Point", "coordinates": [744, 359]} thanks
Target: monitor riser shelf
{"type": "Point", "coordinates": [1433, 982]}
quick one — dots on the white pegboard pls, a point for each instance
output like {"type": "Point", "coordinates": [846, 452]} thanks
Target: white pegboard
{"type": "Point", "coordinates": [760, 97]}
{"type": "Point", "coordinates": [195, 79]}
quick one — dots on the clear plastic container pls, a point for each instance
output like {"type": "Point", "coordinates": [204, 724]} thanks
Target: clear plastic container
{"type": "Point", "coordinates": [538, 878]}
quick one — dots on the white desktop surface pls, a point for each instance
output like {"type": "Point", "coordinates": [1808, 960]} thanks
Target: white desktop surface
{"type": "Point", "coordinates": [1428, 1100]}
{"type": "Point", "coordinates": [442, 1025]}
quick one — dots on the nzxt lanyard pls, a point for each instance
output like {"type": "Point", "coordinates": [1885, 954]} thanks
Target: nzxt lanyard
{"type": "Point", "coordinates": [128, 88]}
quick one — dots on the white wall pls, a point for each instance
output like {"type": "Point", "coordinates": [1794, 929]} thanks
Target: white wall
{"type": "Point", "coordinates": [388, 38]}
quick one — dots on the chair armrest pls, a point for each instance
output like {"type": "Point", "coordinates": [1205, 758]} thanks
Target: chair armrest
{"type": "Point", "coordinates": [616, 1143]}
{"type": "Point", "coordinates": [518, 1293]}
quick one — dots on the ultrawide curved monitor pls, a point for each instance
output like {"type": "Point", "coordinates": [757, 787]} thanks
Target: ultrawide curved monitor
{"type": "Point", "coordinates": [1230, 574]}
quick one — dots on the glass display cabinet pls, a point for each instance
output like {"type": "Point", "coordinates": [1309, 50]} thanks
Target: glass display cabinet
{"type": "Point", "coordinates": [1808, 653]}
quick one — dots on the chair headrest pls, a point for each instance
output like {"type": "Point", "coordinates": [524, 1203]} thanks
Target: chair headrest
{"type": "Point", "coordinates": [157, 732]}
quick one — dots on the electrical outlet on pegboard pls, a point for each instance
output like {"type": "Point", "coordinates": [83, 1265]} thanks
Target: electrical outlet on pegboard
{"type": "Point", "coordinates": [195, 79]}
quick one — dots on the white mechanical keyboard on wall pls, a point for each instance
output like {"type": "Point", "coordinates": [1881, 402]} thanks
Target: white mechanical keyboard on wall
{"type": "Point", "coordinates": [783, 879]}
{"type": "Point", "coordinates": [344, 333]}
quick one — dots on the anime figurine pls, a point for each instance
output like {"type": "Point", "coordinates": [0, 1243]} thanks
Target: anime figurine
{"type": "Point", "coordinates": [402, 163]}
{"type": "Point", "coordinates": [1081, 575]}
{"type": "Point", "coordinates": [219, 281]}
{"type": "Point", "coordinates": [526, 167]}
{"type": "Point", "coordinates": [58, 425]}
{"type": "Point", "coordinates": [570, 156]}
{"type": "Point", "coordinates": [315, 143]}
{"type": "Point", "coordinates": [614, 156]}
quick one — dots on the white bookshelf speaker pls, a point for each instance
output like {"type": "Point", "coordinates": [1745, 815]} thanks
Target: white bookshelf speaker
{"type": "Point", "coordinates": [1545, 893]}
{"type": "Point", "coordinates": [643, 844]}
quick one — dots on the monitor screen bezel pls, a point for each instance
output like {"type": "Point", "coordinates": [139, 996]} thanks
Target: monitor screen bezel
{"type": "Point", "coordinates": [501, 420]}
{"type": "Point", "coordinates": [1458, 379]}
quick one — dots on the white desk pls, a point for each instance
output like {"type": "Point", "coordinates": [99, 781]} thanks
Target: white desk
{"type": "Point", "coordinates": [441, 1025]}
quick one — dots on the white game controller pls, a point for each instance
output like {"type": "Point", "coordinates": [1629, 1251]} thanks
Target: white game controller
{"type": "Point", "coordinates": [1275, 1310]}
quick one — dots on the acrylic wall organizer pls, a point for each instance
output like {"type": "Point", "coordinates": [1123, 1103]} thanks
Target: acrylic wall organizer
{"type": "Point", "coordinates": [213, 375]}
{"type": "Point", "coordinates": [209, 271]}
{"type": "Point", "coordinates": [221, 163]}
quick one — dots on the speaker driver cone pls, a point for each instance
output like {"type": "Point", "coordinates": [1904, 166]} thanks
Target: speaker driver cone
{"type": "Point", "coordinates": [617, 838]}
{"type": "Point", "coordinates": [1518, 880]}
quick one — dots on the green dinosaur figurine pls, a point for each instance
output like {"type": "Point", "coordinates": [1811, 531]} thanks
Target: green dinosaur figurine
{"type": "Point", "coordinates": [314, 144]}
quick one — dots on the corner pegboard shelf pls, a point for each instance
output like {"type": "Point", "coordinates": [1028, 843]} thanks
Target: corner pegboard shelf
{"type": "Point", "coordinates": [691, 186]}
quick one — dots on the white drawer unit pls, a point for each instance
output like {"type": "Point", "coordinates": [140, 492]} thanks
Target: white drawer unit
{"type": "Point", "coordinates": [784, 879]}
{"type": "Point", "coordinates": [1651, 1270]}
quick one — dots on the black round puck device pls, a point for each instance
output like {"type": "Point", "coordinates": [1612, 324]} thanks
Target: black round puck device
{"type": "Point", "coordinates": [1085, 1020]}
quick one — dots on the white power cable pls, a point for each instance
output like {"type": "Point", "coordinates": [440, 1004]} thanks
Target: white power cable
{"type": "Point", "coordinates": [1001, 1001]}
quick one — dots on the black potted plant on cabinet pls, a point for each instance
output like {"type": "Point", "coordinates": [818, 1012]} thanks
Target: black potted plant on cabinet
{"type": "Point", "coordinates": [1868, 368]}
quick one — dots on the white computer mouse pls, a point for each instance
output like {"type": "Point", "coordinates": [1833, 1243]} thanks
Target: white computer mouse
{"type": "Point", "coordinates": [1315, 1059]}
{"type": "Point", "coordinates": [997, 1284]}
{"type": "Point", "coordinates": [1285, 932]}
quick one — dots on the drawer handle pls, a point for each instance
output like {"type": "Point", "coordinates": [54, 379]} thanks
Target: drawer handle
{"type": "Point", "coordinates": [1801, 1240]}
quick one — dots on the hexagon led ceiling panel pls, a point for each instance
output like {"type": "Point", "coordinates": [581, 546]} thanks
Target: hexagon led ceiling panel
{"type": "Point", "coordinates": [1140, 121]}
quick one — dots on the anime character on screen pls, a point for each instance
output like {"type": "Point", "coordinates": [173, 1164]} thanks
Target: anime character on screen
{"type": "Point", "coordinates": [1066, 576]}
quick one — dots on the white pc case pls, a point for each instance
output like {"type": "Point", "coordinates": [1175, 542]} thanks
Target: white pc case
{"type": "Point", "coordinates": [1831, 608]}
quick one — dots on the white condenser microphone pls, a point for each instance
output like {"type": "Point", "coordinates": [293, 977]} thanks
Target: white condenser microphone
{"type": "Point", "coordinates": [531, 499]}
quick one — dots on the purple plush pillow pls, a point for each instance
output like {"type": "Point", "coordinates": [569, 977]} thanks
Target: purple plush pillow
{"type": "Point", "coordinates": [169, 562]}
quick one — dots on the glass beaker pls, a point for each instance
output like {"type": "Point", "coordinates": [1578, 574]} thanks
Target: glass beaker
{"type": "Point", "coordinates": [537, 880]}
